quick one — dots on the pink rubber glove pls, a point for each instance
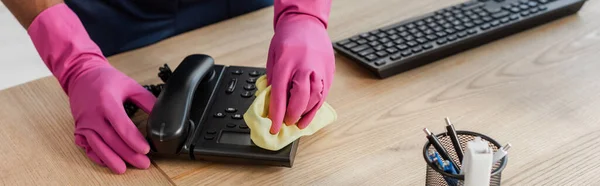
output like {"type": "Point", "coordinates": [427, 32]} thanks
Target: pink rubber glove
{"type": "Point", "coordinates": [301, 62]}
{"type": "Point", "coordinates": [96, 90]}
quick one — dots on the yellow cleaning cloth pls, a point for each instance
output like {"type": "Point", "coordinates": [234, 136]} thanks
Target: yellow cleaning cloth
{"type": "Point", "coordinates": [256, 118]}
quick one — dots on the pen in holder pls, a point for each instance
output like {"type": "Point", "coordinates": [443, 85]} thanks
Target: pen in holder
{"type": "Point", "coordinates": [437, 176]}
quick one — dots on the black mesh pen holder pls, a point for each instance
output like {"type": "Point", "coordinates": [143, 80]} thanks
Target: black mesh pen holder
{"type": "Point", "coordinates": [436, 176]}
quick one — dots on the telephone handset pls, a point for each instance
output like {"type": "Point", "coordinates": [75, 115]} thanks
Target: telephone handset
{"type": "Point", "coordinates": [199, 114]}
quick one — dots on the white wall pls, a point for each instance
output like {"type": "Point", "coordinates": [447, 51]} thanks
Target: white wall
{"type": "Point", "coordinates": [19, 62]}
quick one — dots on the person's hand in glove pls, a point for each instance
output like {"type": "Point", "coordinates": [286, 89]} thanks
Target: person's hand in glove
{"type": "Point", "coordinates": [301, 62]}
{"type": "Point", "coordinates": [96, 90]}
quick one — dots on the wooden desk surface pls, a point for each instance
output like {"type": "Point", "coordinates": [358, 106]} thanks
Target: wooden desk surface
{"type": "Point", "coordinates": [538, 90]}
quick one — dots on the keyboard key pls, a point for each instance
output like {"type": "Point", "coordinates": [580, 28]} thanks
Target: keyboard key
{"type": "Point", "coordinates": [374, 32]}
{"type": "Point", "coordinates": [421, 22]}
{"type": "Point", "coordinates": [402, 46]}
{"type": "Point", "coordinates": [478, 21]}
{"type": "Point", "coordinates": [485, 26]}
{"type": "Point", "coordinates": [441, 34]}
{"type": "Point", "coordinates": [380, 62]}
{"type": "Point", "coordinates": [469, 25]}
{"type": "Point", "coordinates": [417, 49]}
{"type": "Point", "coordinates": [459, 16]}
{"type": "Point", "coordinates": [372, 38]}
{"type": "Point", "coordinates": [364, 35]}
{"type": "Point", "coordinates": [384, 40]}
{"type": "Point", "coordinates": [414, 30]}
{"type": "Point", "coordinates": [431, 37]}
{"type": "Point", "coordinates": [396, 56]}
{"type": "Point", "coordinates": [473, 6]}
{"type": "Point", "coordinates": [507, 7]}
{"type": "Point", "coordinates": [421, 40]}
{"type": "Point", "coordinates": [431, 25]}
{"type": "Point", "coordinates": [411, 25]}
{"type": "Point", "coordinates": [423, 28]}
{"type": "Point", "coordinates": [493, 10]}
{"type": "Point", "coordinates": [379, 47]}
{"type": "Point", "coordinates": [495, 23]}
{"type": "Point", "coordinates": [472, 31]}
{"type": "Point", "coordinates": [427, 46]}
{"type": "Point", "coordinates": [462, 34]}
{"type": "Point", "coordinates": [450, 31]}
{"type": "Point", "coordinates": [406, 53]}
{"type": "Point", "coordinates": [344, 42]}
{"type": "Point", "coordinates": [525, 13]}
{"type": "Point", "coordinates": [429, 20]}
{"type": "Point", "coordinates": [532, 4]}
{"type": "Point", "coordinates": [524, 7]}
{"type": "Point", "coordinates": [362, 41]}
{"type": "Point", "coordinates": [418, 35]}
{"type": "Point", "coordinates": [428, 31]}
{"type": "Point", "coordinates": [505, 20]}
{"type": "Point", "coordinates": [515, 10]}
{"type": "Point", "coordinates": [398, 41]}
{"type": "Point", "coordinates": [391, 50]}
{"type": "Point", "coordinates": [456, 23]}
{"type": "Point", "coordinates": [448, 25]}
{"type": "Point", "coordinates": [500, 14]}
{"type": "Point", "coordinates": [452, 37]}
{"type": "Point", "coordinates": [409, 38]}
{"type": "Point", "coordinates": [483, 14]}
{"type": "Point", "coordinates": [355, 38]}
{"type": "Point", "coordinates": [542, 8]}
{"type": "Point", "coordinates": [534, 10]}
{"type": "Point", "coordinates": [389, 44]}
{"type": "Point", "coordinates": [459, 28]}
{"type": "Point", "coordinates": [412, 43]}
{"type": "Point", "coordinates": [394, 37]}
{"type": "Point", "coordinates": [381, 35]}
{"type": "Point", "coordinates": [364, 53]}
{"type": "Point", "coordinates": [487, 19]}
{"type": "Point", "coordinates": [382, 53]}
{"type": "Point", "coordinates": [514, 17]}
{"type": "Point", "coordinates": [438, 28]}
{"type": "Point", "coordinates": [373, 43]}
{"type": "Point", "coordinates": [442, 41]}
{"type": "Point", "coordinates": [350, 45]}
{"type": "Point", "coordinates": [359, 48]}
{"type": "Point", "coordinates": [371, 57]}
{"type": "Point", "coordinates": [404, 34]}
{"type": "Point", "coordinates": [390, 32]}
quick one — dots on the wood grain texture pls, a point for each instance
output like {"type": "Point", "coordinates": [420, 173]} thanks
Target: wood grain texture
{"type": "Point", "coordinates": [537, 90]}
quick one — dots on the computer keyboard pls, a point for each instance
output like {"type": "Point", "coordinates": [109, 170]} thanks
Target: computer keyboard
{"type": "Point", "coordinates": [426, 38]}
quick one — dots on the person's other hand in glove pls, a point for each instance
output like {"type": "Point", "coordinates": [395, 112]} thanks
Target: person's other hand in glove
{"type": "Point", "coordinates": [301, 63]}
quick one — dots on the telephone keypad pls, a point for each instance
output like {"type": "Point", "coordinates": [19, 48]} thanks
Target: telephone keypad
{"type": "Point", "coordinates": [254, 73]}
{"type": "Point", "coordinates": [251, 80]}
{"type": "Point", "coordinates": [238, 72]}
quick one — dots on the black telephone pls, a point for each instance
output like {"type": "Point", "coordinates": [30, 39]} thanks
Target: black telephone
{"type": "Point", "coordinates": [199, 114]}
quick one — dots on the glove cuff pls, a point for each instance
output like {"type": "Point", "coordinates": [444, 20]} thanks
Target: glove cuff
{"type": "Point", "coordinates": [64, 45]}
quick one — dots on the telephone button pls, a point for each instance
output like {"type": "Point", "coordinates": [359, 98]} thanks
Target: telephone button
{"type": "Point", "coordinates": [238, 72]}
{"type": "Point", "coordinates": [209, 137]}
{"type": "Point", "coordinates": [254, 73]}
{"type": "Point", "coordinates": [236, 116]}
{"type": "Point", "coordinates": [247, 94]}
{"type": "Point", "coordinates": [231, 86]}
{"type": "Point", "coordinates": [211, 132]}
{"type": "Point", "coordinates": [230, 110]}
{"type": "Point", "coordinates": [251, 80]}
{"type": "Point", "coordinates": [249, 87]}
{"type": "Point", "coordinates": [230, 125]}
{"type": "Point", "coordinates": [219, 115]}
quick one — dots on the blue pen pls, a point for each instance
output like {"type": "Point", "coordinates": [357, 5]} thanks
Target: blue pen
{"type": "Point", "coordinates": [446, 166]}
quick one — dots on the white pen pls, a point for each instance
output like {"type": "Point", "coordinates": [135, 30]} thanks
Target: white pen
{"type": "Point", "coordinates": [503, 151]}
